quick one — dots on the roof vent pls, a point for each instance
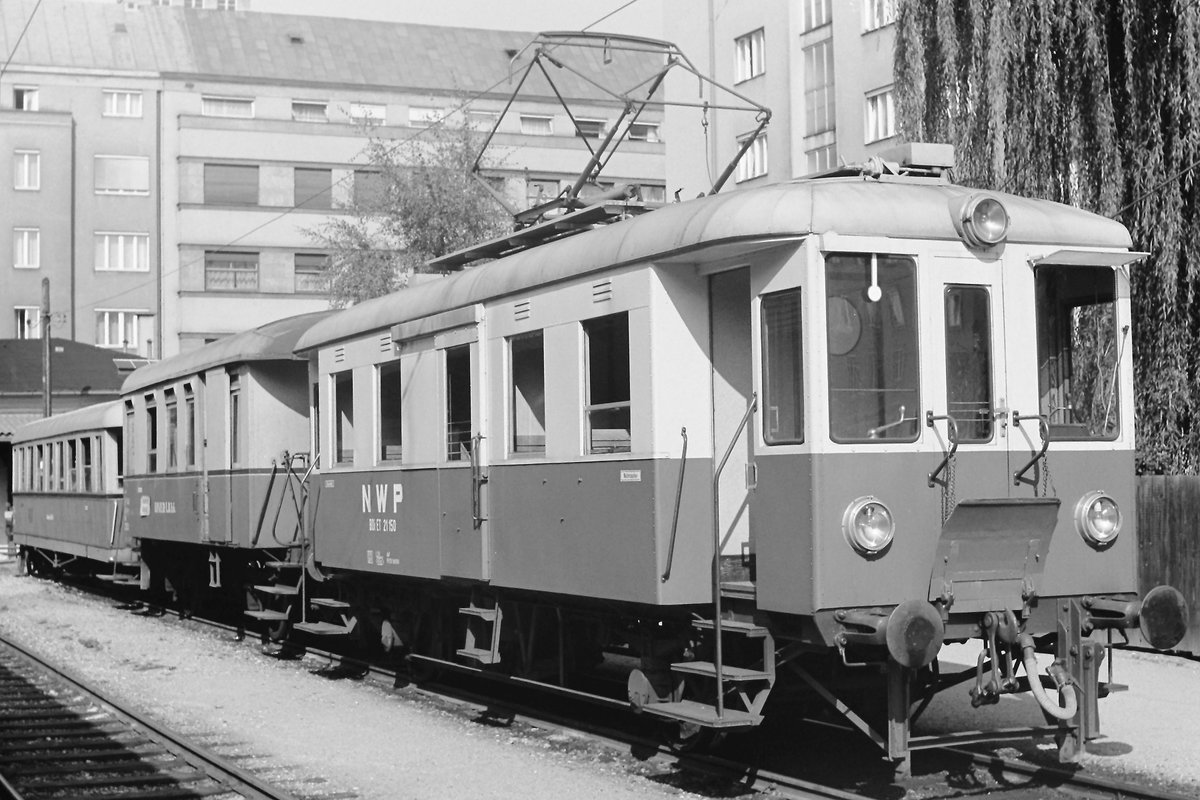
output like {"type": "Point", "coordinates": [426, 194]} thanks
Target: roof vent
{"type": "Point", "coordinates": [296, 38]}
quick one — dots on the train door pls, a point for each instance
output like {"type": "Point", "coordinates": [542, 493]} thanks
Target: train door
{"type": "Point", "coordinates": [732, 385]}
{"type": "Point", "coordinates": [194, 452]}
{"type": "Point", "coordinates": [970, 391]}
{"type": "Point", "coordinates": [463, 466]}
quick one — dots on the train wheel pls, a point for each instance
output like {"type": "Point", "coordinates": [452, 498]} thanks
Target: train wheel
{"type": "Point", "coordinates": [688, 737]}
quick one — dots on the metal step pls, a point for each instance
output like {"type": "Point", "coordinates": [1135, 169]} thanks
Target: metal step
{"type": "Point", "coordinates": [745, 590]}
{"type": "Point", "coordinates": [750, 630]}
{"type": "Point", "coordinates": [281, 589]}
{"type": "Point", "coordinates": [478, 654]}
{"type": "Point", "coordinates": [284, 565]}
{"type": "Point", "coordinates": [322, 628]}
{"type": "Point", "coordinates": [268, 614]}
{"type": "Point", "coordinates": [327, 602]}
{"type": "Point", "coordinates": [728, 673]}
{"type": "Point", "coordinates": [703, 714]}
{"type": "Point", "coordinates": [118, 578]}
{"type": "Point", "coordinates": [488, 614]}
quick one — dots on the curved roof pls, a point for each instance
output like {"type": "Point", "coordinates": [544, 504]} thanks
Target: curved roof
{"type": "Point", "coordinates": [274, 341]}
{"type": "Point", "coordinates": [849, 206]}
{"type": "Point", "coordinates": [81, 420]}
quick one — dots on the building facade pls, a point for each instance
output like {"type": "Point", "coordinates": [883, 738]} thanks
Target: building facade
{"type": "Point", "coordinates": [169, 163]}
{"type": "Point", "coordinates": [823, 67]}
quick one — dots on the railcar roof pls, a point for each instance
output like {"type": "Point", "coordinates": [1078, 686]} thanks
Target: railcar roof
{"type": "Point", "coordinates": [274, 341]}
{"type": "Point", "coordinates": [900, 209]}
{"type": "Point", "coordinates": [89, 418]}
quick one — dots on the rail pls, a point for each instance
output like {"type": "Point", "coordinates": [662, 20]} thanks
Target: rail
{"type": "Point", "coordinates": [1043, 432]}
{"type": "Point", "coordinates": [678, 496]}
{"type": "Point", "coordinates": [951, 434]}
{"type": "Point", "coordinates": [718, 666]}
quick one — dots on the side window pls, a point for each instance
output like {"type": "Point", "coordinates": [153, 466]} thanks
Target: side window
{"type": "Point", "coordinates": [127, 437]}
{"type": "Point", "coordinates": [458, 402]}
{"type": "Point", "coordinates": [343, 417]}
{"type": "Point", "coordinates": [607, 408]}
{"type": "Point", "coordinates": [151, 435]}
{"type": "Point", "coordinates": [189, 423]}
{"type": "Point", "coordinates": [527, 361]}
{"type": "Point", "coordinates": [1080, 344]}
{"type": "Point", "coordinates": [86, 462]}
{"type": "Point", "coordinates": [72, 465]}
{"type": "Point", "coordinates": [40, 476]}
{"type": "Point", "coordinates": [871, 324]}
{"type": "Point", "coordinates": [391, 437]}
{"type": "Point", "coordinates": [60, 470]}
{"type": "Point", "coordinates": [783, 374]}
{"type": "Point", "coordinates": [315, 411]}
{"type": "Point", "coordinates": [969, 362]}
{"type": "Point", "coordinates": [235, 420]}
{"type": "Point", "coordinates": [172, 408]}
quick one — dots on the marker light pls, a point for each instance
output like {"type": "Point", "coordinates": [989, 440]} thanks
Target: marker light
{"type": "Point", "coordinates": [868, 525]}
{"type": "Point", "coordinates": [984, 221]}
{"type": "Point", "coordinates": [1098, 519]}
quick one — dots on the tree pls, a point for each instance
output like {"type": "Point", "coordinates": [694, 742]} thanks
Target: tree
{"type": "Point", "coordinates": [1092, 103]}
{"type": "Point", "coordinates": [417, 201]}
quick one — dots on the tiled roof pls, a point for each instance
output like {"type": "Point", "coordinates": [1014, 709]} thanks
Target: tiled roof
{"type": "Point", "coordinates": [76, 368]}
{"type": "Point", "coordinates": [291, 48]}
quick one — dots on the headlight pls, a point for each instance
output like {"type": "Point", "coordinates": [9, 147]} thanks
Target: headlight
{"type": "Point", "coordinates": [868, 525]}
{"type": "Point", "coordinates": [984, 221]}
{"type": "Point", "coordinates": [1098, 518]}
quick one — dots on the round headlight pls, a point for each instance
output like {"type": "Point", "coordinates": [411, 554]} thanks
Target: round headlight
{"type": "Point", "coordinates": [868, 525]}
{"type": "Point", "coordinates": [984, 221]}
{"type": "Point", "coordinates": [1098, 518]}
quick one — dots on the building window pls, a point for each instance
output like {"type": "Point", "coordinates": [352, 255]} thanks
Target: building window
{"type": "Point", "coordinates": [227, 5]}
{"type": "Point", "coordinates": [607, 411]}
{"type": "Point", "coordinates": [123, 252]}
{"type": "Point", "coordinates": [212, 106]}
{"type": "Point", "coordinates": [750, 61]}
{"type": "Point", "coordinates": [236, 423]}
{"type": "Point", "coordinates": [482, 120]}
{"type": "Point", "coordinates": [644, 132]}
{"type": "Point", "coordinates": [122, 175]}
{"type": "Point", "coordinates": [878, 13]}
{"type": "Point", "coordinates": [193, 3]}
{"type": "Point", "coordinates": [29, 322]}
{"type": "Point", "coordinates": [231, 184]}
{"type": "Point", "coordinates": [528, 363]}
{"type": "Point", "coordinates": [311, 276]}
{"type": "Point", "coordinates": [818, 88]}
{"type": "Point", "coordinates": [151, 435]}
{"type": "Point", "coordinates": [753, 163]}
{"type": "Point", "coordinates": [25, 98]}
{"type": "Point", "coordinates": [534, 125]}
{"type": "Point", "coordinates": [121, 103]}
{"type": "Point", "coordinates": [226, 271]}
{"type": "Point", "coordinates": [373, 113]}
{"type": "Point", "coordinates": [423, 116]}
{"type": "Point", "coordinates": [343, 417]}
{"type": "Point", "coordinates": [881, 119]}
{"type": "Point", "coordinates": [391, 439]}
{"type": "Point", "coordinates": [120, 329]}
{"type": "Point", "coordinates": [590, 128]}
{"type": "Point", "coordinates": [458, 403]}
{"type": "Point", "coordinates": [172, 408]}
{"type": "Point", "coordinates": [27, 170]}
{"type": "Point", "coordinates": [783, 385]}
{"type": "Point", "coordinates": [817, 13]}
{"type": "Point", "coordinates": [310, 111]}
{"type": "Point", "coordinates": [27, 248]}
{"type": "Point", "coordinates": [369, 189]}
{"type": "Point", "coordinates": [313, 188]}
{"type": "Point", "coordinates": [822, 158]}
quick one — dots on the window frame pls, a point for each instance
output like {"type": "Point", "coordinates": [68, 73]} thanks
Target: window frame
{"type": "Point", "coordinates": [128, 320]}
{"type": "Point", "coordinates": [27, 248]}
{"type": "Point", "coordinates": [879, 123]}
{"type": "Point", "coordinates": [306, 195]}
{"type": "Point", "coordinates": [879, 14]}
{"type": "Point", "coordinates": [27, 170]}
{"type": "Point", "coordinates": [307, 285]}
{"type": "Point", "coordinates": [768, 372]}
{"type": "Point", "coordinates": [589, 328]}
{"type": "Point", "coordinates": [231, 184]}
{"type": "Point", "coordinates": [342, 457]}
{"type": "Point", "coordinates": [515, 449]}
{"type": "Point", "coordinates": [221, 105]}
{"type": "Point", "coordinates": [453, 386]}
{"type": "Point", "coordinates": [753, 163]}
{"type": "Point", "coordinates": [310, 104]}
{"type": "Point", "coordinates": [221, 262]}
{"type": "Point", "coordinates": [820, 93]}
{"type": "Point", "coordinates": [369, 113]}
{"type": "Point", "coordinates": [139, 243]}
{"type": "Point", "coordinates": [100, 158]}
{"type": "Point", "coordinates": [750, 55]}
{"type": "Point", "coordinates": [394, 368]}
{"type": "Point", "coordinates": [26, 98]}
{"type": "Point", "coordinates": [27, 311]}
{"type": "Point", "coordinates": [962, 430]}
{"type": "Point", "coordinates": [114, 108]}
{"type": "Point", "coordinates": [528, 130]}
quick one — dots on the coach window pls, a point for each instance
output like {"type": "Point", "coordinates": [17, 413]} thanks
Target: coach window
{"type": "Point", "coordinates": [390, 434]}
{"type": "Point", "coordinates": [871, 326]}
{"type": "Point", "coordinates": [85, 457]}
{"type": "Point", "coordinates": [458, 403]}
{"type": "Point", "coordinates": [527, 359]}
{"type": "Point", "coordinates": [1080, 345]}
{"type": "Point", "coordinates": [969, 362]}
{"type": "Point", "coordinates": [172, 429]}
{"type": "Point", "coordinates": [783, 399]}
{"type": "Point", "coordinates": [151, 435]}
{"type": "Point", "coordinates": [40, 473]}
{"type": "Point", "coordinates": [236, 421]}
{"type": "Point", "coordinates": [57, 472]}
{"type": "Point", "coordinates": [189, 426]}
{"type": "Point", "coordinates": [343, 417]}
{"type": "Point", "coordinates": [608, 406]}
{"type": "Point", "coordinates": [127, 434]}
{"type": "Point", "coordinates": [315, 431]}
{"type": "Point", "coordinates": [73, 465]}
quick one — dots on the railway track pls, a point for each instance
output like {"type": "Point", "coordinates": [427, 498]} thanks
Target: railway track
{"type": "Point", "coordinates": [62, 739]}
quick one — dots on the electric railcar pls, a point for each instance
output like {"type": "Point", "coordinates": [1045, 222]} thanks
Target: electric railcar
{"type": "Point", "coordinates": [754, 440]}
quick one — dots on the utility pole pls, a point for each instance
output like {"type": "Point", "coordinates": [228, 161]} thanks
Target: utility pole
{"type": "Point", "coordinates": [46, 404]}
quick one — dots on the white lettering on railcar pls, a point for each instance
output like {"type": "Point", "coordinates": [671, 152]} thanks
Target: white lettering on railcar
{"type": "Point", "coordinates": [631, 476]}
{"type": "Point", "coordinates": [144, 505]}
{"type": "Point", "coordinates": [376, 498]}
{"type": "Point", "coordinates": [164, 507]}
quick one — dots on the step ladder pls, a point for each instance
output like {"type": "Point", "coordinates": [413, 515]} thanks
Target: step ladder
{"type": "Point", "coordinates": [278, 598]}
{"type": "Point", "coordinates": [483, 630]}
{"type": "Point", "coordinates": [342, 627]}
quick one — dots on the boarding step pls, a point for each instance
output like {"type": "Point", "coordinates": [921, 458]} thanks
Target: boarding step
{"type": "Point", "coordinates": [744, 590]}
{"type": "Point", "coordinates": [130, 581]}
{"type": "Point", "coordinates": [482, 655]}
{"type": "Point", "coordinates": [750, 630]}
{"type": "Point", "coordinates": [703, 714]}
{"type": "Point", "coordinates": [281, 589]}
{"type": "Point", "coordinates": [327, 602]}
{"type": "Point", "coordinates": [284, 565]}
{"type": "Point", "coordinates": [268, 615]}
{"type": "Point", "coordinates": [728, 673]}
{"type": "Point", "coordinates": [323, 628]}
{"type": "Point", "coordinates": [488, 614]}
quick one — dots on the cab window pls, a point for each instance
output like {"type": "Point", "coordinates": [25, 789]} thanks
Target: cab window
{"type": "Point", "coordinates": [969, 362]}
{"type": "Point", "coordinates": [783, 401]}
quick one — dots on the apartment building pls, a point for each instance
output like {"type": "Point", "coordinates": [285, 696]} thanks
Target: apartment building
{"type": "Point", "coordinates": [823, 67]}
{"type": "Point", "coordinates": [169, 163]}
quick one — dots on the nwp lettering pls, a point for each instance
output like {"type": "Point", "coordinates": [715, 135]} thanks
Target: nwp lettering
{"type": "Point", "coordinates": [376, 497]}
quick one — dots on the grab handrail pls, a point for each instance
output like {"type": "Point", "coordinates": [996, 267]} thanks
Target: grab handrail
{"type": "Point", "coordinates": [1044, 432]}
{"type": "Point", "coordinates": [678, 495]}
{"type": "Point", "coordinates": [951, 434]}
{"type": "Point", "coordinates": [716, 560]}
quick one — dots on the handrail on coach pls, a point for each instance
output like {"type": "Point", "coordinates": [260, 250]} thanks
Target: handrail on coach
{"type": "Point", "coordinates": [678, 495]}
